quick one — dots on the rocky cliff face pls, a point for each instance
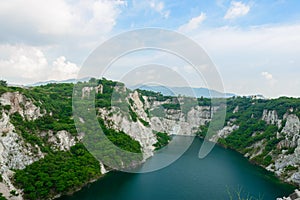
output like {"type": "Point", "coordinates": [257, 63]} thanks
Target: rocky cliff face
{"type": "Point", "coordinates": [174, 122]}
{"type": "Point", "coordinates": [271, 117]}
{"type": "Point", "coordinates": [150, 116]}
{"type": "Point", "coordinates": [15, 152]}
{"type": "Point", "coordinates": [286, 154]}
{"type": "Point", "coordinates": [290, 132]}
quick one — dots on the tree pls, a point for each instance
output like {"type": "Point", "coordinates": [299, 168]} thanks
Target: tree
{"type": "Point", "coordinates": [3, 83]}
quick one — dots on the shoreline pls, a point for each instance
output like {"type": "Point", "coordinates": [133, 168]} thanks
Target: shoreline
{"type": "Point", "coordinates": [257, 164]}
{"type": "Point", "coordinates": [70, 193]}
{"type": "Point", "coordinates": [273, 177]}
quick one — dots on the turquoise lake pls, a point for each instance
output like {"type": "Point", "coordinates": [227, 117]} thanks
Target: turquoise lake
{"type": "Point", "coordinates": [221, 173]}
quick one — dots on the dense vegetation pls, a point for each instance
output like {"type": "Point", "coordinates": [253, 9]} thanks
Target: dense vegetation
{"type": "Point", "coordinates": [173, 106]}
{"type": "Point", "coordinates": [133, 115]}
{"type": "Point", "coordinates": [62, 172]}
{"type": "Point", "coordinates": [254, 107]}
{"type": "Point", "coordinates": [162, 139]}
{"type": "Point", "coordinates": [120, 139]}
{"type": "Point", "coordinates": [204, 101]}
{"type": "Point", "coordinates": [154, 95]}
{"type": "Point", "coordinates": [252, 128]}
{"type": "Point", "coordinates": [244, 137]}
{"type": "Point", "coordinates": [56, 100]}
{"type": "Point", "coordinates": [3, 83]}
{"type": "Point", "coordinates": [113, 94]}
{"type": "Point", "coordinates": [58, 172]}
{"type": "Point", "coordinates": [2, 197]}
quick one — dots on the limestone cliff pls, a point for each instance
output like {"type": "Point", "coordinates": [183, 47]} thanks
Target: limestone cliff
{"type": "Point", "coordinates": [273, 136]}
{"type": "Point", "coordinates": [174, 122]}
{"type": "Point", "coordinates": [15, 152]}
{"type": "Point", "coordinates": [284, 156]}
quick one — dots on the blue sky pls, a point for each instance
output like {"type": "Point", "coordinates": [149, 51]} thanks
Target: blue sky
{"type": "Point", "coordinates": [255, 45]}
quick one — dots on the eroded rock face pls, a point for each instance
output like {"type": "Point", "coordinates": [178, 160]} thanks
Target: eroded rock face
{"type": "Point", "coordinates": [21, 104]}
{"type": "Point", "coordinates": [15, 153]}
{"type": "Point", "coordinates": [62, 140]}
{"type": "Point", "coordinates": [257, 147]}
{"type": "Point", "coordinates": [271, 117]}
{"type": "Point", "coordinates": [290, 132]}
{"type": "Point", "coordinates": [138, 105]}
{"type": "Point", "coordinates": [135, 130]}
{"type": "Point", "coordinates": [227, 130]}
{"type": "Point", "coordinates": [179, 123]}
{"type": "Point", "coordinates": [291, 140]}
{"type": "Point", "coordinates": [284, 161]}
{"type": "Point", "coordinates": [292, 125]}
{"type": "Point", "coordinates": [236, 109]}
{"type": "Point", "coordinates": [173, 122]}
{"type": "Point", "coordinates": [86, 91]}
{"type": "Point", "coordinates": [294, 196]}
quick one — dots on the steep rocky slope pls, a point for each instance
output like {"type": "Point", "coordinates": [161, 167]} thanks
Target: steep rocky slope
{"type": "Point", "coordinates": [15, 153]}
{"type": "Point", "coordinates": [23, 140]}
{"type": "Point", "coordinates": [266, 132]}
{"type": "Point", "coordinates": [37, 129]}
{"type": "Point", "coordinates": [36, 123]}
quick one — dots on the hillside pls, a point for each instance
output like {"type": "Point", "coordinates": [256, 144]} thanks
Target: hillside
{"type": "Point", "coordinates": [266, 132]}
{"type": "Point", "coordinates": [42, 154]}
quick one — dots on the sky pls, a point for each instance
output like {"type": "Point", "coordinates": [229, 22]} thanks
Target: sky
{"type": "Point", "coordinates": [254, 45]}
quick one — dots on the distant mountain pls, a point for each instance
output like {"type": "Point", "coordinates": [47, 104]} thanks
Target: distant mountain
{"type": "Point", "coordinates": [184, 91]}
{"type": "Point", "coordinates": [63, 81]}
{"type": "Point", "coordinates": [166, 91]}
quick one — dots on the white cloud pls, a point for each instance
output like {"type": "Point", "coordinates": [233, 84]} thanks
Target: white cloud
{"type": "Point", "coordinates": [104, 15]}
{"type": "Point", "coordinates": [237, 9]}
{"type": "Point", "coordinates": [159, 7]}
{"type": "Point", "coordinates": [26, 64]}
{"type": "Point", "coordinates": [33, 20]}
{"type": "Point", "coordinates": [267, 76]}
{"type": "Point", "coordinates": [193, 24]}
{"type": "Point", "coordinates": [242, 53]}
{"type": "Point", "coordinates": [63, 69]}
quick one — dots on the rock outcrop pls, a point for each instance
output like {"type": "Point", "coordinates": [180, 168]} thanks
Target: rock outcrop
{"type": "Point", "coordinates": [21, 104]}
{"type": "Point", "coordinates": [271, 117]}
{"type": "Point", "coordinates": [223, 133]}
{"type": "Point", "coordinates": [294, 196]}
{"type": "Point", "coordinates": [86, 91]}
{"type": "Point", "coordinates": [62, 140]}
{"type": "Point", "coordinates": [15, 152]}
{"type": "Point", "coordinates": [174, 122]}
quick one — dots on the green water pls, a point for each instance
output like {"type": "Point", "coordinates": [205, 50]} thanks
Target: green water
{"type": "Point", "coordinates": [189, 178]}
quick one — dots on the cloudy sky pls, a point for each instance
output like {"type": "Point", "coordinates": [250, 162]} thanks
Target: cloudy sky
{"type": "Point", "coordinates": [254, 44]}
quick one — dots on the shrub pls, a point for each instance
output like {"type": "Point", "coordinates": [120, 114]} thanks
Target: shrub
{"type": "Point", "coordinates": [162, 139]}
{"type": "Point", "coordinates": [58, 172]}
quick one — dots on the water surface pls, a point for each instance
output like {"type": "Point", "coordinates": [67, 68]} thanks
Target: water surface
{"type": "Point", "coordinates": [222, 172]}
